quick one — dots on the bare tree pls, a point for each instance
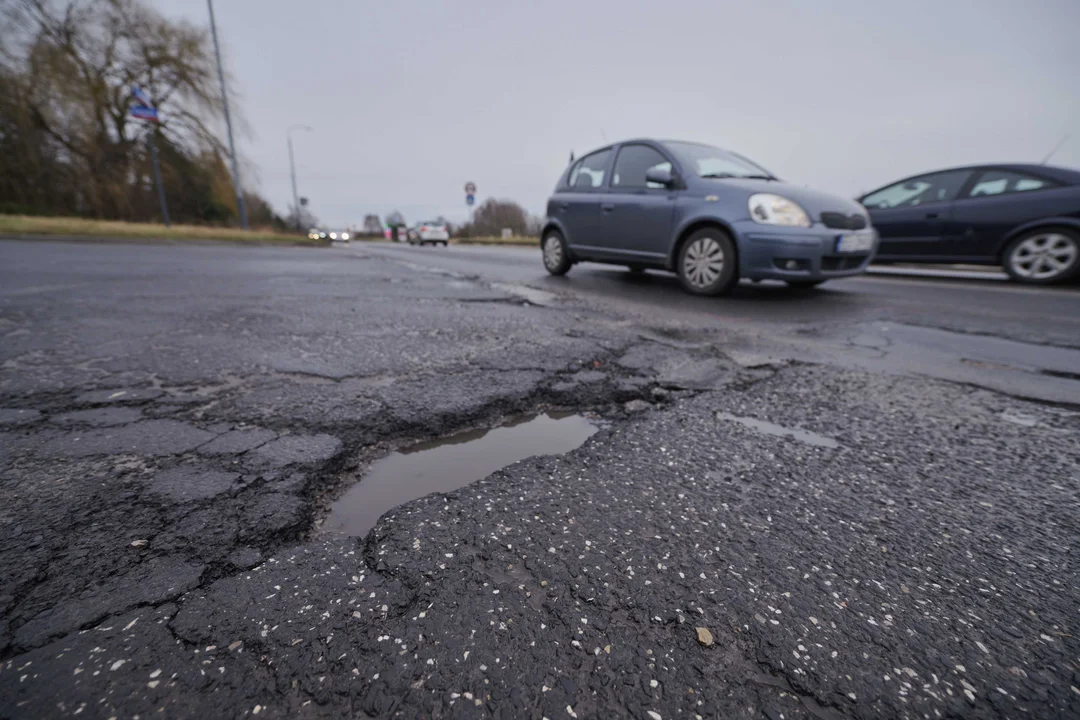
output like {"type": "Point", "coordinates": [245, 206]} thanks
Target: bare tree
{"type": "Point", "coordinates": [307, 218]}
{"type": "Point", "coordinates": [493, 215]}
{"type": "Point", "coordinates": [534, 226]}
{"type": "Point", "coordinates": [372, 225]}
{"type": "Point", "coordinates": [66, 72]}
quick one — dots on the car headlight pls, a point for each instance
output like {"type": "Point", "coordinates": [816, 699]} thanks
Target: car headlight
{"type": "Point", "coordinates": [769, 209]}
{"type": "Point", "coordinates": [344, 236]}
{"type": "Point", "coordinates": [333, 236]}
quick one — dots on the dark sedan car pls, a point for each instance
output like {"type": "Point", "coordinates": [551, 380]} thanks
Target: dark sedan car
{"type": "Point", "coordinates": [1025, 218]}
{"type": "Point", "coordinates": [707, 214]}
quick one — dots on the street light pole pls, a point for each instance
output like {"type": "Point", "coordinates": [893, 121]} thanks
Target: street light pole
{"type": "Point", "coordinates": [292, 170]}
{"type": "Point", "coordinates": [228, 123]}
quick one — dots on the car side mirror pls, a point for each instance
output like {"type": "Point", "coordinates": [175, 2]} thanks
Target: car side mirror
{"type": "Point", "coordinates": [660, 176]}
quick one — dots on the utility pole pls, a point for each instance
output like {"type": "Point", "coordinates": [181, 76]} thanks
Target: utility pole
{"type": "Point", "coordinates": [1054, 151]}
{"type": "Point", "coordinates": [228, 122]}
{"type": "Point", "coordinates": [292, 170]}
{"type": "Point", "coordinates": [157, 176]}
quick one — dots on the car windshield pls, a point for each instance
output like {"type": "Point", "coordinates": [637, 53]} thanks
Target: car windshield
{"type": "Point", "coordinates": [711, 162]}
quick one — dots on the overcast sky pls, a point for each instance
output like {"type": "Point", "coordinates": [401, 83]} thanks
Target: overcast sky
{"type": "Point", "coordinates": [411, 99]}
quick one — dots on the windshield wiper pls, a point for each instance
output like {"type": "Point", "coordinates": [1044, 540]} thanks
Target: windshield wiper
{"type": "Point", "coordinates": [757, 177]}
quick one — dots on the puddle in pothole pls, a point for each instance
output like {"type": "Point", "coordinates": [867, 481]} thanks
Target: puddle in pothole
{"type": "Point", "coordinates": [780, 431]}
{"type": "Point", "coordinates": [450, 463]}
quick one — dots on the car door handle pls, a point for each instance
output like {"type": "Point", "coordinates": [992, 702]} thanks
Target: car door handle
{"type": "Point", "coordinates": [606, 207]}
{"type": "Point", "coordinates": [563, 207]}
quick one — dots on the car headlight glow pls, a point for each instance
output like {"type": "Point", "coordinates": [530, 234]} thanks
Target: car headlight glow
{"type": "Point", "coordinates": [344, 236]}
{"type": "Point", "coordinates": [769, 209]}
{"type": "Point", "coordinates": [333, 236]}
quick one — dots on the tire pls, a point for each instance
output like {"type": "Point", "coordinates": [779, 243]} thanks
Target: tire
{"type": "Point", "coordinates": [555, 253]}
{"type": "Point", "coordinates": [1043, 257]}
{"type": "Point", "coordinates": [707, 263]}
{"type": "Point", "coordinates": [803, 284]}
{"type": "Point", "coordinates": [445, 243]}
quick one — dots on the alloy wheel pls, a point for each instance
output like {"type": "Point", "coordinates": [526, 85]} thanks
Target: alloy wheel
{"type": "Point", "coordinates": [703, 262]}
{"type": "Point", "coordinates": [1044, 256]}
{"type": "Point", "coordinates": [553, 252]}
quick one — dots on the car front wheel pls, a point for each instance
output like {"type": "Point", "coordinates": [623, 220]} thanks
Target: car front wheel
{"type": "Point", "coordinates": [707, 263]}
{"type": "Point", "coordinates": [1043, 257]}
{"type": "Point", "coordinates": [556, 257]}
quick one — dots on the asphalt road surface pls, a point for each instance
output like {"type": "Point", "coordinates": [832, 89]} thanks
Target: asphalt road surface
{"type": "Point", "coordinates": [860, 501]}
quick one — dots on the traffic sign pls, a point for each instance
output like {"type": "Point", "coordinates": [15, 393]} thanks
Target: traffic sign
{"type": "Point", "coordinates": [470, 188]}
{"type": "Point", "coordinates": [142, 112]}
{"type": "Point", "coordinates": [142, 97]}
{"type": "Point", "coordinates": [470, 199]}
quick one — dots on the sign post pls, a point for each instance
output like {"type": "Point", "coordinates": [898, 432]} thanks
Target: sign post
{"type": "Point", "coordinates": [145, 110]}
{"type": "Point", "coordinates": [470, 198]}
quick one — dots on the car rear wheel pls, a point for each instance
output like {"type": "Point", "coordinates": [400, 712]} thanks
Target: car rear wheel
{"type": "Point", "coordinates": [556, 257]}
{"type": "Point", "coordinates": [707, 263]}
{"type": "Point", "coordinates": [1043, 257]}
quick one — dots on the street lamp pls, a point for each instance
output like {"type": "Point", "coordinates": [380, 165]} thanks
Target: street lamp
{"type": "Point", "coordinates": [292, 169]}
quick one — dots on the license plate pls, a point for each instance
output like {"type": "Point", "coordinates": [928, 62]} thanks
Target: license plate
{"type": "Point", "coordinates": [858, 242]}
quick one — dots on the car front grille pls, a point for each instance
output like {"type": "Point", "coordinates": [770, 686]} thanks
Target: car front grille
{"type": "Point", "coordinates": [840, 221]}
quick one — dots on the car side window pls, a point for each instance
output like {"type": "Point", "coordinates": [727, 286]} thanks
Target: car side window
{"type": "Point", "coordinates": [633, 162]}
{"type": "Point", "coordinates": [1000, 182]}
{"type": "Point", "coordinates": [589, 171]}
{"type": "Point", "coordinates": [923, 190]}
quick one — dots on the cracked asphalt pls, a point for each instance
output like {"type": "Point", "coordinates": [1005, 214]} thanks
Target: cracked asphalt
{"type": "Point", "coordinates": [800, 505]}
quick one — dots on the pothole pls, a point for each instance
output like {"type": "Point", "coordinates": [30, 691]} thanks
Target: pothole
{"type": "Point", "coordinates": [450, 463]}
{"type": "Point", "coordinates": [780, 431]}
{"type": "Point", "coordinates": [529, 294]}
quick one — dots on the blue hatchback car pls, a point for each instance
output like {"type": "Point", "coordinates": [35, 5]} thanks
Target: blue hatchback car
{"type": "Point", "coordinates": [710, 215]}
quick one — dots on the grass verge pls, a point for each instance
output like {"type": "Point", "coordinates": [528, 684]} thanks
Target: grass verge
{"type": "Point", "coordinates": [83, 228]}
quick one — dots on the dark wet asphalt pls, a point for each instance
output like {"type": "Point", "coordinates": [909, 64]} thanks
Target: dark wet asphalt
{"type": "Point", "coordinates": [1019, 340]}
{"type": "Point", "coordinates": [842, 489]}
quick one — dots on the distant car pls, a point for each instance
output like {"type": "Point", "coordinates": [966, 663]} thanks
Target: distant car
{"type": "Point", "coordinates": [339, 235]}
{"type": "Point", "coordinates": [429, 233]}
{"type": "Point", "coordinates": [1025, 218]}
{"type": "Point", "coordinates": [710, 215]}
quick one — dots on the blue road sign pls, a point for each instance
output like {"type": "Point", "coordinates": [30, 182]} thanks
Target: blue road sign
{"type": "Point", "coordinates": [470, 199]}
{"type": "Point", "coordinates": [142, 97]}
{"type": "Point", "coordinates": [142, 112]}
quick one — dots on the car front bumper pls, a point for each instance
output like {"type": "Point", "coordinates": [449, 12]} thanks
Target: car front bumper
{"type": "Point", "coordinates": [790, 253]}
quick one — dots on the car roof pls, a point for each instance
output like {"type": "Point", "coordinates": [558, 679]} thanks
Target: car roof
{"type": "Point", "coordinates": [654, 141]}
{"type": "Point", "coordinates": [631, 141]}
{"type": "Point", "coordinates": [1053, 172]}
